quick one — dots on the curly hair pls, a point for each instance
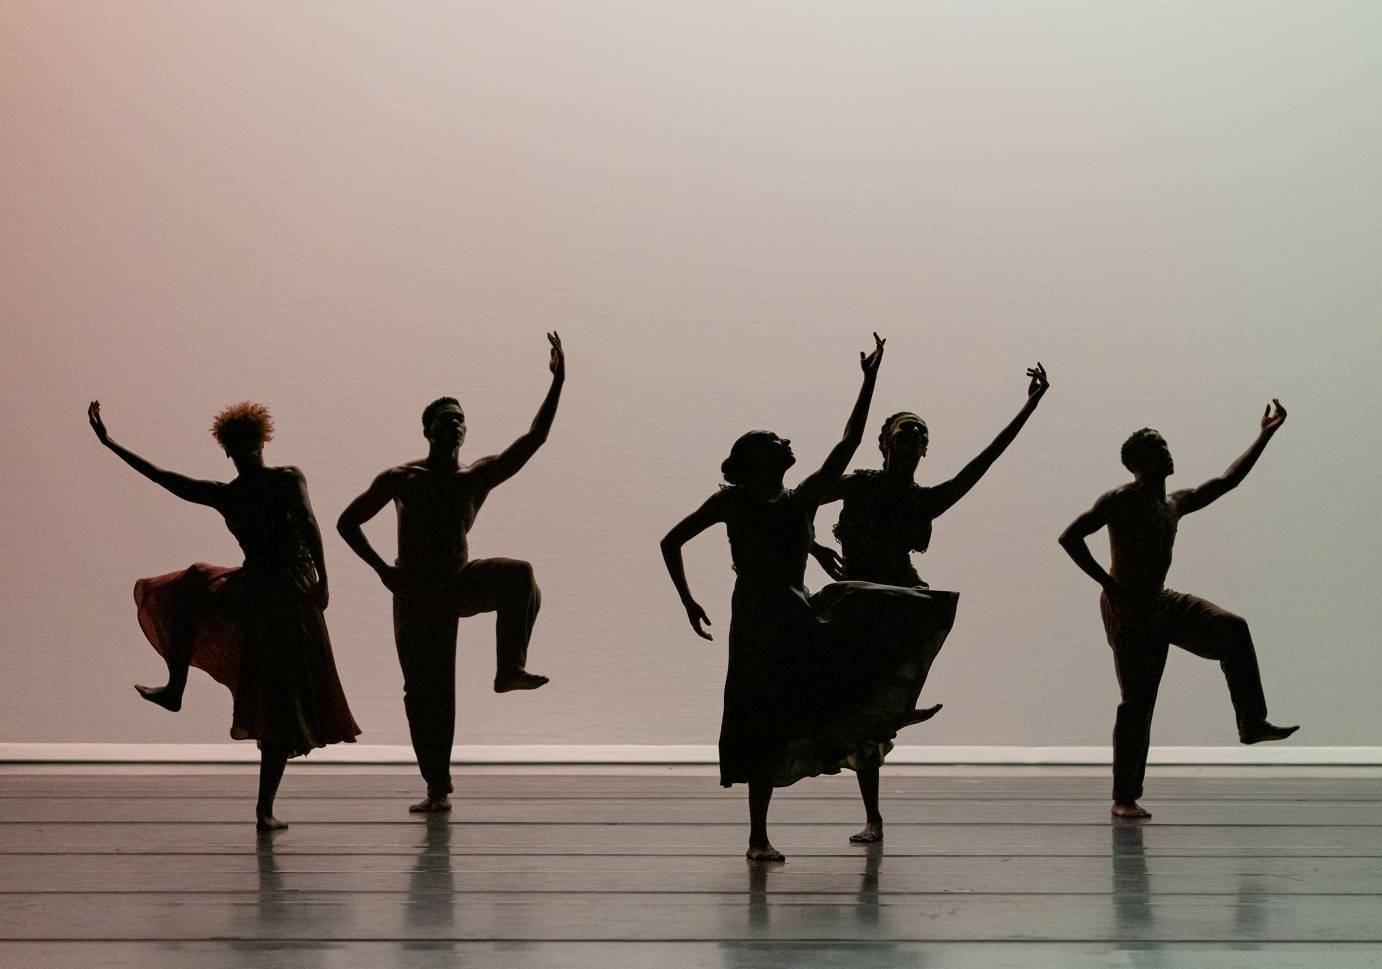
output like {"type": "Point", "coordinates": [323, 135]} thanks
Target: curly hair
{"type": "Point", "coordinates": [243, 427]}
{"type": "Point", "coordinates": [1135, 449]}
{"type": "Point", "coordinates": [888, 427]}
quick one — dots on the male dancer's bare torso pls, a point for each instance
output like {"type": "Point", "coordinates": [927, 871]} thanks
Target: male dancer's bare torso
{"type": "Point", "coordinates": [436, 508]}
{"type": "Point", "coordinates": [1141, 534]}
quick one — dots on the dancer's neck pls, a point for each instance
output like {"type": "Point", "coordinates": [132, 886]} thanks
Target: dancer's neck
{"type": "Point", "coordinates": [441, 457]}
{"type": "Point", "coordinates": [1153, 485]}
{"type": "Point", "coordinates": [248, 463]}
{"type": "Point", "coordinates": [901, 470]}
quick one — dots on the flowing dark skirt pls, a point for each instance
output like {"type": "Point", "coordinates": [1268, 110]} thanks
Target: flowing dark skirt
{"type": "Point", "coordinates": [817, 682]}
{"type": "Point", "coordinates": [258, 633]}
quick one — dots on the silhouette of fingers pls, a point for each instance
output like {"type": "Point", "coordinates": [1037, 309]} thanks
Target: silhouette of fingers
{"type": "Point", "coordinates": [93, 416]}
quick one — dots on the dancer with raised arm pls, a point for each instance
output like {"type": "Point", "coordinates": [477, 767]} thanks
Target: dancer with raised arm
{"type": "Point", "coordinates": [886, 516]}
{"type": "Point", "coordinates": [1142, 617]}
{"type": "Point", "coordinates": [810, 678]}
{"type": "Point", "coordinates": [257, 630]}
{"type": "Point", "coordinates": [435, 582]}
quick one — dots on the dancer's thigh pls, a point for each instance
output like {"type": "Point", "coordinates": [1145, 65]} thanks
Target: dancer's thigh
{"type": "Point", "coordinates": [484, 584]}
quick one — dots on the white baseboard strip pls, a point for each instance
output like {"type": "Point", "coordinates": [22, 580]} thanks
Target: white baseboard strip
{"type": "Point", "coordinates": [678, 754]}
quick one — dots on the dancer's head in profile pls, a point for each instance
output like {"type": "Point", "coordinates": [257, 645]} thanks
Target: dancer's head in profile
{"type": "Point", "coordinates": [242, 430]}
{"type": "Point", "coordinates": [443, 423]}
{"type": "Point", "coordinates": [1146, 454]}
{"type": "Point", "coordinates": [903, 439]}
{"type": "Point", "coordinates": [757, 460]}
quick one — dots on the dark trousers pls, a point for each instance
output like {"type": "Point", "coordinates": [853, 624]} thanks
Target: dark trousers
{"type": "Point", "coordinates": [424, 626]}
{"type": "Point", "coordinates": [1140, 635]}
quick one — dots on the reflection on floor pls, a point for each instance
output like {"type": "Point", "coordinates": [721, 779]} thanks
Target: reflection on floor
{"type": "Point", "coordinates": [980, 868]}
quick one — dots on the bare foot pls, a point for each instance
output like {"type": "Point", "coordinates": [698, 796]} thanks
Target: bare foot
{"type": "Point", "coordinates": [267, 822]}
{"type": "Point", "coordinates": [161, 695]}
{"type": "Point", "coordinates": [431, 804]}
{"type": "Point", "coordinates": [919, 715]}
{"type": "Point", "coordinates": [764, 852]}
{"type": "Point", "coordinates": [518, 680]}
{"type": "Point", "coordinates": [1129, 809]}
{"type": "Point", "coordinates": [872, 834]}
{"type": "Point", "coordinates": [1258, 732]}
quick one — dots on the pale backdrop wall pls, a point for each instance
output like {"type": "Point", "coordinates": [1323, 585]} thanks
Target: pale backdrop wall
{"type": "Point", "coordinates": [346, 209]}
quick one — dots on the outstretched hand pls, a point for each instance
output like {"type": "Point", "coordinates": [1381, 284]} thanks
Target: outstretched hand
{"type": "Point", "coordinates": [1039, 383]}
{"type": "Point", "coordinates": [696, 615]}
{"type": "Point", "coordinates": [93, 414]}
{"type": "Point", "coordinates": [829, 560]}
{"type": "Point", "coordinates": [1271, 420]}
{"type": "Point", "coordinates": [870, 363]}
{"type": "Point", "coordinates": [558, 362]}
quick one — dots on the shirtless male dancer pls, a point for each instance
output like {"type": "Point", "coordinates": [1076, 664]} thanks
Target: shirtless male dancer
{"type": "Point", "coordinates": [435, 582]}
{"type": "Point", "coordinates": [1142, 617]}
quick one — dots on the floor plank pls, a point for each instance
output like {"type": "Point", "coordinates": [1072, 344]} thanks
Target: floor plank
{"type": "Point", "coordinates": [728, 809]}
{"type": "Point", "coordinates": [531, 869]}
{"type": "Point", "coordinates": [685, 955]}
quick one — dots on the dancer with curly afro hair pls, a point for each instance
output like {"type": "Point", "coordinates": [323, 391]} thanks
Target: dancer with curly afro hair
{"type": "Point", "coordinates": [258, 629]}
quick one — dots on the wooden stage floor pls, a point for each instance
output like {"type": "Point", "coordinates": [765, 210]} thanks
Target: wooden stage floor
{"type": "Point", "coordinates": [161, 867]}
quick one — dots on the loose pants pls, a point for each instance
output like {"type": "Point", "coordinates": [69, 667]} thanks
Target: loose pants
{"type": "Point", "coordinates": [1140, 634]}
{"type": "Point", "coordinates": [425, 625]}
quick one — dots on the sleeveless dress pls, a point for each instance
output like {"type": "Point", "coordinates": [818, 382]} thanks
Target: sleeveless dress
{"type": "Point", "coordinates": [813, 678]}
{"type": "Point", "coordinates": [883, 520]}
{"type": "Point", "coordinates": [256, 629]}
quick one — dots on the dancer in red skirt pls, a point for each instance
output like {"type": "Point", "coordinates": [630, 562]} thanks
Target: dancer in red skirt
{"type": "Point", "coordinates": [257, 630]}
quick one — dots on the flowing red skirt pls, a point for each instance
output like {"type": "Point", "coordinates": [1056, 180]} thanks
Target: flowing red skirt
{"type": "Point", "coordinates": [257, 632]}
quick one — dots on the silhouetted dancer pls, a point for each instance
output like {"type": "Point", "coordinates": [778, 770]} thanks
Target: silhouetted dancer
{"type": "Point", "coordinates": [887, 516]}
{"type": "Point", "coordinates": [1142, 617]}
{"type": "Point", "coordinates": [810, 678]}
{"type": "Point", "coordinates": [435, 582]}
{"type": "Point", "coordinates": [257, 630]}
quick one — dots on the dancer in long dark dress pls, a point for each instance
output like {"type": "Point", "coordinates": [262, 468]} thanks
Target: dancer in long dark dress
{"type": "Point", "coordinates": [258, 630]}
{"type": "Point", "coordinates": [887, 516]}
{"type": "Point", "coordinates": [1142, 617]}
{"type": "Point", "coordinates": [810, 677]}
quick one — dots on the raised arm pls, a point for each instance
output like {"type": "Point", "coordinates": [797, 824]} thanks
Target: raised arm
{"type": "Point", "coordinates": [361, 510]}
{"type": "Point", "coordinates": [313, 536]}
{"type": "Point", "coordinates": [506, 464]}
{"type": "Point", "coordinates": [945, 495]}
{"type": "Point", "coordinates": [188, 489]}
{"type": "Point", "coordinates": [1073, 540]}
{"type": "Point", "coordinates": [822, 482]}
{"type": "Point", "coordinates": [1193, 499]}
{"type": "Point", "coordinates": [709, 513]}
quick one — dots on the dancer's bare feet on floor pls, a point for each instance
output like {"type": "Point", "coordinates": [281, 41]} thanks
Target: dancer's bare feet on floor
{"type": "Point", "coordinates": [518, 680]}
{"type": "Point", "coordinates": [872, 834]}
{"type": "Point", "coordinates": [1130, 810]}
{"type": "Point", "coordinates": [431, 804]}
{"type": "Point", "coordinates": [1258, 732]}
{"type": "Point", "coordinates": [764, 852]}
{"type": "Point", "coordinates": [265, 821]}
{"type": "Point", "coordinates": [164, 696]}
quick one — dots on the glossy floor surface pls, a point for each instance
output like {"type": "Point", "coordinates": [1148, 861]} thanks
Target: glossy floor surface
{"type": "Point", "coordinates": [152, 869]}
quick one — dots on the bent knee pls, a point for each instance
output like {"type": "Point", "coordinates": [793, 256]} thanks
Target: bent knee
{"type": "Point", "coordinates": [1235, 629]}
{"type": "Point", "coordinates": [521, 574]}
